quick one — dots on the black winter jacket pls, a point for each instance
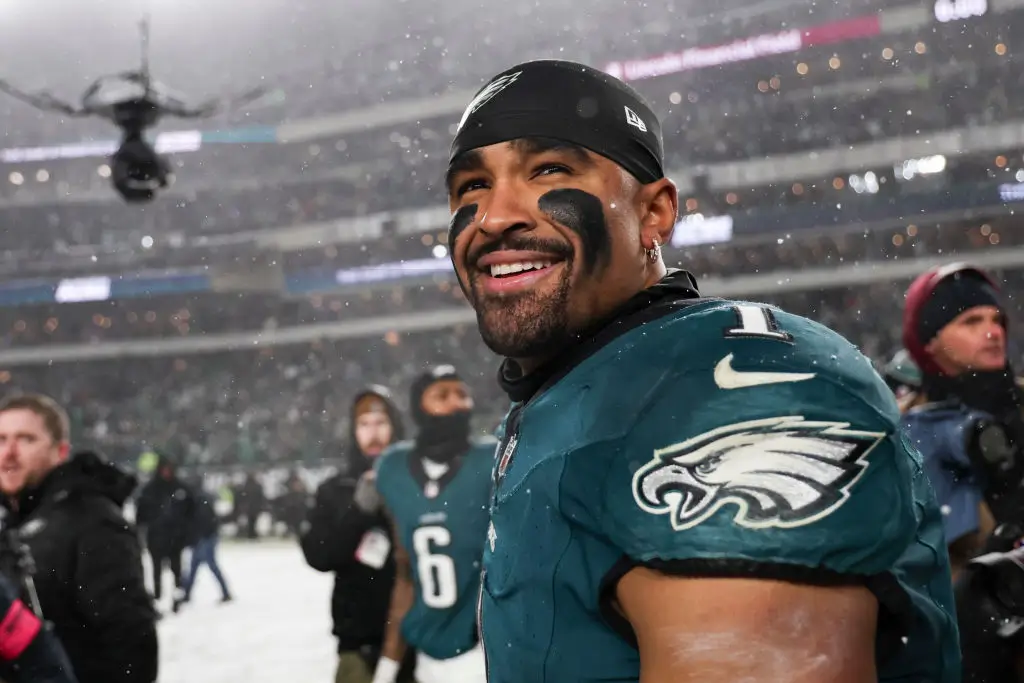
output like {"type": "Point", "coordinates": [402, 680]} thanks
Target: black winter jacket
{"type": "Point", "coordinates": [333, 530]}
{"type": "Point", "coordinates": [89, 570]}
{"type": "Point", "coordinates": [164, 511]}
{"type": "Point", "coordinates": [335, 527]}
{"type": "Point", "coordinates": [205, 522]}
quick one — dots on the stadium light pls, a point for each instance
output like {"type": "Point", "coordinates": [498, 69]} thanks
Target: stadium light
{"type": "Point", "coordinates": [958, 10]}
{"type": "Point", "coordinates": [912, 168]}
{"type": "Point", "coordinates": [865, 184]}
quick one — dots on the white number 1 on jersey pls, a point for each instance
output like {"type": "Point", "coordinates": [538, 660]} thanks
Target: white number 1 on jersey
{"type": "Point", "coordinates": [756, 321]}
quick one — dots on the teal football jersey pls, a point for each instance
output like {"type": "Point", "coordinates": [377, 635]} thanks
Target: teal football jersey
{"type": "Point", "coordinates": [704, 438]}
{"type": "Point", "coordinates": [443, 526]}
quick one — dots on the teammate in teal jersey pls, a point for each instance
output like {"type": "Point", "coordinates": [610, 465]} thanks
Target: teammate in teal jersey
{"type": "Point", "coordinates": [436, 490]}
{"type": "Point", "coordinates": [687, 489]}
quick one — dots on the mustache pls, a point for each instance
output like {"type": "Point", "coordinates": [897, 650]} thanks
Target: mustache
{"type": "Point", "coordinates": [522, 243]}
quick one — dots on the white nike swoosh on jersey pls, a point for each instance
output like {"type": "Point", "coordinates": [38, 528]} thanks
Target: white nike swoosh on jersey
{"type": "Point", "coordinates": [727, 378]}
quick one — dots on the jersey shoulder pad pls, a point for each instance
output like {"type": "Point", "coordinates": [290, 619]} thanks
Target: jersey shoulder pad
{"type": "Point", "coordinates": [757, 349]}
{"type": "Point", "coordinates": [742, 350]}
{"type": "Point", "coordinates": [394, 453]}
{"type": "Point", "coordinates": [768, 438]}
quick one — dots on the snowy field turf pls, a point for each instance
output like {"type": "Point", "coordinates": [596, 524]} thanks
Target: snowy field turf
{"type": "Point", "coordinates": [277, 630]}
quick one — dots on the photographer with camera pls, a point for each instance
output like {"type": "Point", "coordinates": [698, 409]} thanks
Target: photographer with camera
{"type": "Point", "coordinates": [66, 544]}
{"type": "Point", "coordinates": [966, 421]}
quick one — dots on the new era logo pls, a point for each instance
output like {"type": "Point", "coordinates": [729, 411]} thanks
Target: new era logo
{"type": "Point", "coordinates": [633, 119]}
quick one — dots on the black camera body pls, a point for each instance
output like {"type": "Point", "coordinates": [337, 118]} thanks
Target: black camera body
{"type": "Point", "coordinates": [138, 172]}
{"type": "Point", "coordinates": [1002, 573]}
{"type": "Point", "coordinates": [990, 595]}
{"type": "Point", "coordinates": [990, 612]}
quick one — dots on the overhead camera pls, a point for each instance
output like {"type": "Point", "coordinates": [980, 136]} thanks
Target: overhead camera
{"type": "Point", "coordinates": [135, 103]}
{"type": "Point", "coordinates": [137, 171]}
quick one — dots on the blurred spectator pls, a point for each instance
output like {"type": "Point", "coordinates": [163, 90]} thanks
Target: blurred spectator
{"type": "Point", "coordinates": [165, 509]}
{"type": "Point", "coordinates": [204, 533]}
{"type": "Point", "coordinates": [89, 570]}
{"type": "Point", "coordinates": [340, 537]}
{"type": "Point", "coordinates": [250, 503]}
{"type": "Point", "coordinates": [290, 507]}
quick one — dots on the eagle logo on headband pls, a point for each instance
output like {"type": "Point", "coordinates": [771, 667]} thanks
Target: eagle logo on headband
{"type": "Point", "coordinates": [488, 93]}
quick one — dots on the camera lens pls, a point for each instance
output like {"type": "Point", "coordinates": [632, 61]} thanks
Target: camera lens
{"type": "Point", "coordinates": [137, 171]}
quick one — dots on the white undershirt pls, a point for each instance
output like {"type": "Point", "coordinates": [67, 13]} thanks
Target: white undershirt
{"type": "Point", "coordinates": [434, 470]}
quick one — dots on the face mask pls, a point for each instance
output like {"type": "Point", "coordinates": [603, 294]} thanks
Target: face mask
{"type": "Point", "coordinates": [443, 437]}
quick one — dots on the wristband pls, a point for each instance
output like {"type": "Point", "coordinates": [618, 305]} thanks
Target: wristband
{"type": "Point", "coordinates": [386, 672]}
{"type": "Point", "coordinates": [18, 629]}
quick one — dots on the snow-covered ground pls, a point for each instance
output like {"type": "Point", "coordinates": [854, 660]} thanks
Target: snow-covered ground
{"type": "Point", "coordinates": [277, 630]}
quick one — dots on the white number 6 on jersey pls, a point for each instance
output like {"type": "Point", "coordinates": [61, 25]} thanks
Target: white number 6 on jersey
{"type": "Point", "coordinates": [436, 570]}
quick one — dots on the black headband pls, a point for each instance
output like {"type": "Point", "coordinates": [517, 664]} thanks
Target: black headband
{"type": "Point", "coordinates": [568, 102]}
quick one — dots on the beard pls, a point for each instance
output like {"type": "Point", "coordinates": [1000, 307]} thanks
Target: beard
{"type": "Point", "coordinates": [528, 325]}
{"type": "Point", "coordinates": [373, 449]}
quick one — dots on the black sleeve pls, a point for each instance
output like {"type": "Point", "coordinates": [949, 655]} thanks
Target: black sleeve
{"type": "Point", "coordinates": [334, 527]}
{"type": "Point", "coordinates": [113, 604]}
{"type": "Point", "coordinates": [144, 506]}
{"type": "Point", "coordinates": [43, 661]}
{"type": "Point", "coordinates": [30, 652]}
{"type": "Point", "coordinates": [190, 515]}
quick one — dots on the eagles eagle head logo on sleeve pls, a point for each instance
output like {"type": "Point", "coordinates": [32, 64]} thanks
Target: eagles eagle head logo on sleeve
{"type": "Point", "coordinates": [778, 472]}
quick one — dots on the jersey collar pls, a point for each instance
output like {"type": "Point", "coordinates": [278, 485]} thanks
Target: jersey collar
{"type": "Point", "coordinates": [648, 304]}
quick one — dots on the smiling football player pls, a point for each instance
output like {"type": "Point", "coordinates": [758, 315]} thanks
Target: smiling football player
{"type": "Point", "coordinates": [686, 489]}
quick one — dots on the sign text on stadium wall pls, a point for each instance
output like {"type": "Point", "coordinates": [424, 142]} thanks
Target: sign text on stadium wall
{"type": "Point", "coordinates": [703, 57]}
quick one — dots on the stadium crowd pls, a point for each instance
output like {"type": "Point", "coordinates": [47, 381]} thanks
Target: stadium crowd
{"type": "Point", "coordinates": [287, 403]}
{"type": "Point", "coordinates": [209, 313]}
{"type": "Point", "coordinates": [701, 134]}
{"type": "Point", "coordinates": [827, 96]}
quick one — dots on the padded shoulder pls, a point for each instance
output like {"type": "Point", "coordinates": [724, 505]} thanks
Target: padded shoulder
{"type": "Point", "coordinates": [763, 437]}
